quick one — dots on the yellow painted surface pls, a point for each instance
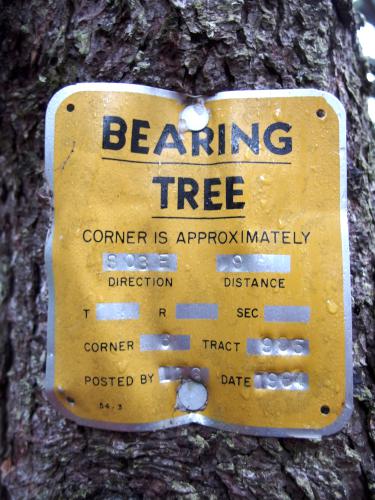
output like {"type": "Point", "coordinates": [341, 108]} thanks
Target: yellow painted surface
{"type": "Point", "coordinates": [91, 193]}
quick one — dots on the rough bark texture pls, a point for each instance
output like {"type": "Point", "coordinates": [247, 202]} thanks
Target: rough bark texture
{"type": "Point", "coordinates": [198, 47]}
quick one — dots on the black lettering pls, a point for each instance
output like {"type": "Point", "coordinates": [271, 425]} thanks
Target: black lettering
{"type": "Point", "coordinates": [176, 142]}
{"type": "Point", "coordinates": [84, 236]}
{"type": "Point", "coordinates": [163, 181]}
{"type": "Point", "coordinates": [204, 142]}
{"type": "Point", "coordinates": [252, 142]}
{"type": "Point", "coordinates": [287, 141]}
{"type": "Point", "coordinates": [209, 194]}
{"type": "Point", "coordinates": [189, 196]}
{"type": "Point", "coordinates": [98, 236]}
{"type": "Point", "coordinates": [231, 193]}
{"type": "Point", "coordinates": [240, 311]}
{"type": "Point", "coordinates": [118, 134]}
{"type": "Point", "coordinates": [137, 136]}
{"type": "Point", "coordinates": [162, 312]}
{"type": "Point", "coordinates": [221, 148]}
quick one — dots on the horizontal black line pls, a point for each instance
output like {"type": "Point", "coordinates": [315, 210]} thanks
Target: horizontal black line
{"type": "Point", "coordinates": [198, 218]}
{"type": "Point", "coordinates": [199, 164]}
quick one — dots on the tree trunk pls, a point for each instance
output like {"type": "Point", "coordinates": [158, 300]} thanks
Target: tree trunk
{"type": "Point", "coordinates": [196, 47]}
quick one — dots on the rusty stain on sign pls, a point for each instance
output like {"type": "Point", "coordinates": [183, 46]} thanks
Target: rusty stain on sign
{"type": "Point", "coordinates": [198, 263]}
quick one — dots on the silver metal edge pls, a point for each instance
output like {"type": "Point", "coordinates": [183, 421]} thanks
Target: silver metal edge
{"type": "Point", "coordinates": [336, 105]}
{"type": "Point", "coordinates": [347, 410]}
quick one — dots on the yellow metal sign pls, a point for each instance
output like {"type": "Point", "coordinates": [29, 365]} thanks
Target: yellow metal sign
{"type": "Point", "coordinates": [198, 262]}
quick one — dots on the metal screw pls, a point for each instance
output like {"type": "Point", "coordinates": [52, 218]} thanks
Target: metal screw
{"type": "Point", "coordinates": [191, 396]}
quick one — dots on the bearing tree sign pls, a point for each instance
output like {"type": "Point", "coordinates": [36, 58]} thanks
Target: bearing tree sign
{"type": "Point", "coordinates": [198, 262]}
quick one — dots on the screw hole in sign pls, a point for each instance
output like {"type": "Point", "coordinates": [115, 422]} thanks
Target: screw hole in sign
{"type": "Point", "coordinates": [70, 107]}
{"type": "Point", "coordinates": [321, 113]}
{"type": "Point", "coordinates": [325, 409]}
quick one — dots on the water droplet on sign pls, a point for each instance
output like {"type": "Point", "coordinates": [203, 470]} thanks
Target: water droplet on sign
{"type": "Point", "coordinates": [332, 306]}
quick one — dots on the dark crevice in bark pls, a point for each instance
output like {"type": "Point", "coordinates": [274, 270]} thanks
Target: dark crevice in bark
{"type": "Point", "coordinates": [344, 12]}
{"type": "Point", "coordinates": [231, 79]}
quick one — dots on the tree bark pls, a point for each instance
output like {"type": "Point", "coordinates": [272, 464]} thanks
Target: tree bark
{"type": "Point", "coordinates": [196, 47]}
